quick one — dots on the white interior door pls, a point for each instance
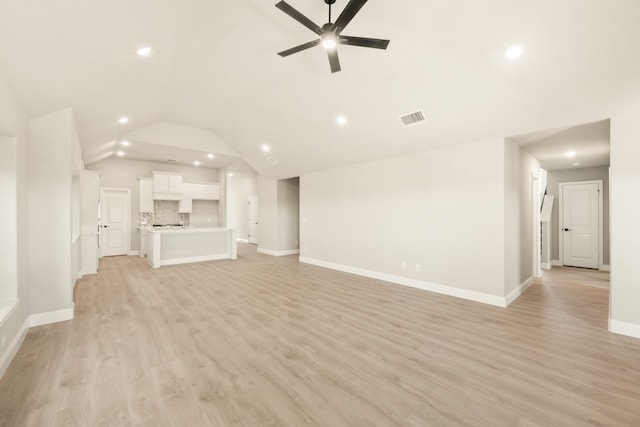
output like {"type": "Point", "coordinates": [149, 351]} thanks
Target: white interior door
{"type": "Point", "coordinates": [114, 216]}
{"type": "Point", "coordinates": [253, 219]}
{"type": "Point", "coordinates": [580, 232]}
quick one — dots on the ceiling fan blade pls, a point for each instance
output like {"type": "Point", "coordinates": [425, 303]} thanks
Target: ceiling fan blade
{"type": "Point", "coordinates": [297, 49]}
{"type": "Point", "coordinates": [347, 15]}
{"type": "Point", "coordinates": [289, 10]}
{"type": "Point", "coordinates": [363, 42]}
{"type": "Point", "coordinates": [333, 60]}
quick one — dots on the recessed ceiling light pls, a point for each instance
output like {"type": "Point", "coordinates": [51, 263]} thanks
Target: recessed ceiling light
{"type": "Point", "coordinates": [211, 156]}
{"type": "Point", "coordinates": [125, 143]}
{"type": "Point", "coordinates": [230, 174]}
{"type": "Point", "coordinates": [265, 148]}
{"type": "Point", "coordinates": [144, 51]}
{"type": "Point", "coordinates": [123, 120]}
{"type": "Point", "coordinates": [120, 153]}
{"type": "Point", "coordinates": [513, 52]}
{"type": "Point", "coordinates": [575, 164]}
{"type": "Point", "coordinates": [570, 154]}
{"type": "Point", "coordinates": [196, 163]}
{"type": "Point", "coordinates": [342, 120]}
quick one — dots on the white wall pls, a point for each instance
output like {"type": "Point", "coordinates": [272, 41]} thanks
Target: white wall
{"type": "Point", "coordinates": [13, 128]}
{"type": "Point", "coordinates": [49, 215]}
{"type": "Point", "coordinates": [239, 187]}
{"type": "Point", "coordinates": [124, 173]}
{"type": "Point", "coordinates": [572, 175]}
{"type": "Point", "coordinates": [443, 209]}
{"type": "Point", "coordinates": [625, 225]}
{"type": "Point", "coordinates": [8, 219]}
{"type": "Point", "coordinates": [519, 168]}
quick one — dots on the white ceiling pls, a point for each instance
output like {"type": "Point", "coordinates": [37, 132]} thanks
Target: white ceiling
{"type": "Point", "coordinates": [589, 142]}
{"type": "Point", "coordinates": [215, 67]}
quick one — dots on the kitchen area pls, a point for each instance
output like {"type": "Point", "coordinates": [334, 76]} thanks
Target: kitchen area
{"type": "Point", "coordinates": [165, 213]}
{"type": "Point", "coordinates": [178, 221]}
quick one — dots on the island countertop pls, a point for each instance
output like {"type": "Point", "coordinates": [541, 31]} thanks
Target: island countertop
{"type": "Point", "coordinates": [187, 229]}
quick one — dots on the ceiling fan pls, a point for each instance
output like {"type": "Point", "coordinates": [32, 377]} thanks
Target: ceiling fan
{"type": "Point", "coordinates": [331, 34]}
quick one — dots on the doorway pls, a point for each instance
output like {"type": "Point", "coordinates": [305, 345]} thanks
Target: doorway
{"type": "Point", "coordinates": [581, 224]}
{"type": "Point", "coordinates": [115, 218]}
{"type": "Point", "coordinates": [253, 220]}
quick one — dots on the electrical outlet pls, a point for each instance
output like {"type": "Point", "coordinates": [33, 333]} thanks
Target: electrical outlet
{"type": "Point", "coordinates": [404, 265]}
{"type": "Point", "coordinates": [418, 268]}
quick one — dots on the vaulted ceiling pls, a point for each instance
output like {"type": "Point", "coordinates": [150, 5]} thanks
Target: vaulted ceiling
{"type": "Point", "coordinates": [214, 67]}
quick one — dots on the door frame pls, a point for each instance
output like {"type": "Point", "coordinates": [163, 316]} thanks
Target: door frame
{"type": "Point", "coordinates": [536, 226]}
{"type": "Point", "coordinates": [248, 219]}
{"type": "Point", "coordinates": [127, 234]}
{"type": "Point", "coordinates": [600, 219]}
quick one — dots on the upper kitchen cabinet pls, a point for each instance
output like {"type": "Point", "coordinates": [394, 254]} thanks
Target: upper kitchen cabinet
{"type": "Point", "coordinates": [167, 186]}
{"type": "Point", "coordinates": [202, 190]}
{"type": "Point", "coordinates": [146, 195]}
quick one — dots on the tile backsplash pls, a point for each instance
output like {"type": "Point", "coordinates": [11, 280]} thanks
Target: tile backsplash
{"type": "Point", "coordinates": [166, 212]}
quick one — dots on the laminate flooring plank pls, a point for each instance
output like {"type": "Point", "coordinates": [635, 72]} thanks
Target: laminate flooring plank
{"type": "Point", "coordinates": [268, 341]}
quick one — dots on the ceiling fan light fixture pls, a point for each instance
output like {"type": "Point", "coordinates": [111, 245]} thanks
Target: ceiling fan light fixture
{"type": "Point", "coordinates": [329, 41]}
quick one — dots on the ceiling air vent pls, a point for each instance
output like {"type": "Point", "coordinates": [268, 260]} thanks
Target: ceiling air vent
{"type": "Point", "coordinates": [412, 118]}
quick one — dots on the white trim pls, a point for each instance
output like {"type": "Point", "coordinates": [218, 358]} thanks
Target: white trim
{"type": "Point", "coordinates": [545, 266]}
{"type": "Point", "coordinates": [556, 262]}
{"type": "Point", "coordinates": [605, 267]}
{"type": "Point", "coordinates": [40, 319]}
{"type": "Point", "coordinates": [133, 253]}
{"type": "Point", "coordinates": [9, 353]}
{"type": "Point", "coordinates": [203, 258]}
{"type": "Point", "coordinates": [239, 240]}
{"type": "Point", "coordinates": [513, 295]}
{"type": "Point", "coordinates": [624, 328]}
{"type": "Point", "coordinates": [7, 308]}
{"type": "Point", "coordinates": [561, 186]}
{"type": "Point", "coordinates": [278, 253]}
{"type": "Point", "coordinates": [413, 283]}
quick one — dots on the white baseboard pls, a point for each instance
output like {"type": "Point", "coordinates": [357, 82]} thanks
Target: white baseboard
{"type": "Point", "coordinates": [556, 262]}
{"type": "Point", "coordinates": [50, 317]}
{"type": "Point", "coordinates": [278, 253]}
{"type": "Point", "coordinates": [605, 267]}
{"type": "Point", "coordinates": [624, 328]}
{"type": "Point", "coordinates": [194, 259]}
{"type": "Point", "coordinates": [513, 295]}
{"type": "Point", "coordinates": [413, 283]}
{"type": "Point", "coordinates": [545, 265]}
{"type": "Point", "coordinates": [242, 240]}
{"type": "Point", "coordinates": [133, 253]}
{"type": "Point", "coordinates": [9, 353]}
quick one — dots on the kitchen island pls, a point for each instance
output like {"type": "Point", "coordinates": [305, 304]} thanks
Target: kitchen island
{"type": "Point", "coordinates": [178, 245]}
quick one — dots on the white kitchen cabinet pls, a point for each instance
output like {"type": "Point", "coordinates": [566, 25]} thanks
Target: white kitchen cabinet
{"type": "Point", "coordinates": [167, 186]}
{"type": "Point", "coordinates": [146, 195]}
{"type": "Point", "coordinates": [185, 205]}
{"type": "Point", "coordinates": [202, 190]}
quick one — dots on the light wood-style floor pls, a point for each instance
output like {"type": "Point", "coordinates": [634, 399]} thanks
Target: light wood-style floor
{"type": "Point", "coordinates": [265, 341]}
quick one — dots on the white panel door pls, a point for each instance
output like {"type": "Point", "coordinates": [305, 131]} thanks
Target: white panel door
{"type": "Point", "coordinates": [114, 230]}
{"type": "Point", "coordinates": [253, 219]}
{"type": "Point", "coordinates": [579, 229]}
